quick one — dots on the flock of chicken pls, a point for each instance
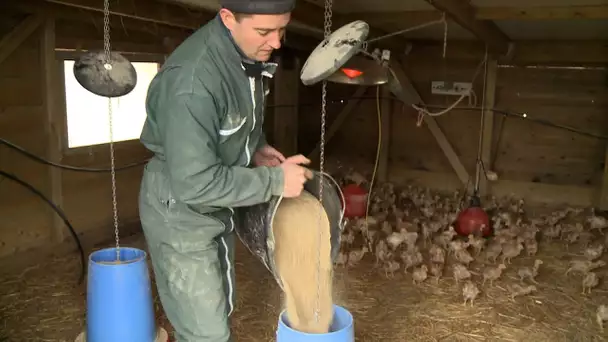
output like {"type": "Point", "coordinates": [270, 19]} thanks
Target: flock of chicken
{"type": "Point", "coordinates": [411, 230]}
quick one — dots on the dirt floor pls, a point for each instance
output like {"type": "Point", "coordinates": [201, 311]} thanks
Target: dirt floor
{"type": "Point", "coordinates": [42, 303]}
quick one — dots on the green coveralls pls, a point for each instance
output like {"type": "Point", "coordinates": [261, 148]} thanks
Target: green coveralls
{"type": "Point", "coordinates": [203, 126]}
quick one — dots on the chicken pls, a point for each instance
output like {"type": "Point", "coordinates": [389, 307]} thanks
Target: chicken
{"type": "Point", "coordinates": [437, 254]}
{"type": "Point", "coordinates": [511, 250]}
{"type": "Point", "coordinates": [460, 272]}
{"type": "Point", "coordinates": [590, 281]}
{"type": "Point", "coordinates": [531, 246]}
{"type": "Point", "coordinates": [601, 315]}
{"type": "Point", "coordinates": [436, 270]}
{"type": "Point", "coordinates": [463, 256]}
{"type": "Point", "coordinates": [594, 252]}
{"type": "Point", "coordinates": [493, 273]}
{"type": "Point", "coordinates": [477, 242]}
{"type": "Point", "coordinates": [526, 272]}
{"type": "Point", "coordinates": [355, 256]}
{"type": "Point", "coordinates": [411, 259]}
{"type": "Point", "coordinates": [469, 292]}
{"type": "Point", "coordinates": [517, 290]}
{"type": "Point", "coordinates": [341, 259]}
{"type": "Point", "coordinates": [419, 275]}
{"type": "Point", "coordinates": [445, 237]}
{"type": "Point", "coordinates": [493, 251]}
{"type": "Point", "coordinates": [457, 245]}
{"type": "Point", "coordinates": [584, 266]}
{"type": "Point", "coordinates": [390, 267]}
{"type": "Point", "coordinates": [382, 252]}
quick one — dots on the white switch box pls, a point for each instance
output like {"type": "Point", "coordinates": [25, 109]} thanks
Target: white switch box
{"type": "Point", "coordinates": [451, 88]}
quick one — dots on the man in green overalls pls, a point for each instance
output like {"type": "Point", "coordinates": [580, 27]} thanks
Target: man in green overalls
{"type": "Point", "coordinates": [204, 125]}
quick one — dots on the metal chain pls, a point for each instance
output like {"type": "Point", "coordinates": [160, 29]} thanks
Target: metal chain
{"type": "Point", "coordinates": [327, 33]}
{"type": "Point", "coordinates": [108, 66]}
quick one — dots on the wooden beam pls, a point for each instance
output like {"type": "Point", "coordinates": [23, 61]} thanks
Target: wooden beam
{"type": "Point", "coordinates": [285, 118]}
{"type": "Point", "coordinates": [18, 35]}
{"type": "Point", "coordinates": [603, 200]}
{"type": "Point", "coordinates": [145, 10]}
{"type": "Point", "coordinates": [335, 125]}
{"type": "Point", "coordinates": [313, 15]}
{"type": "Point", "coordinates": [118, 24]}
{"type": "Point", "coordinates": [409, 95]}
{"type": "Point", "coordinates": [54, 131]}
{"type": "Point", "coordinates": [386, 110]}
{"type": "Point", "coordinates": [542, 13]}
{"type": "Point", "coordinates": [464, 14]}
{"type": "Point", "coordinates": [488, 126]}
{"type": "Point", "coordinates": [411, 18]}
{"type": "Point", "coordinates": [558, 52]}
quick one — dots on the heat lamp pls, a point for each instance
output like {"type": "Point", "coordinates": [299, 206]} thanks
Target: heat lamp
{"type": "Point", "coordinates": [105, 73]}
{"type": "Point", "coordinates": [341, 58]}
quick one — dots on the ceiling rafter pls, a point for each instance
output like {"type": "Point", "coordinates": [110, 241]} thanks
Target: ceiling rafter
{"type": "Point", "coordinates": [464, 14]}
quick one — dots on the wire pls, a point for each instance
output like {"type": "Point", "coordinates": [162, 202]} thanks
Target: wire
{"type": "Point", "coordinates": [59, 212]}
{"type": "Point", "coordinates": [66, 167]}
{"type": "Point", "coordinates": [378, 148]}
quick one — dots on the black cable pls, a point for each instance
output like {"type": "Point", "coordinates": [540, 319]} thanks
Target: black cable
{"type": "Point", "coordinates": [66, 167]}
{"type": "Point", "coordinates": [59, 212]}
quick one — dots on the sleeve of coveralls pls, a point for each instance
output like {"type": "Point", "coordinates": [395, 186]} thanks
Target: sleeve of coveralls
{"type": "Point", "coordinates": [262, 142]}
{"type": "Point", "coordinates": [191, 139]}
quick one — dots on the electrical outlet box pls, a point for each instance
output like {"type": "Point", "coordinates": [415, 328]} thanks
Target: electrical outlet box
{"type": "Point", "coordinates": [451, 88]}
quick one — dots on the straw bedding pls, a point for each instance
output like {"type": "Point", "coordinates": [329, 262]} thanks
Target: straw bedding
{"type": "Point", "coordinates": [41, 303]}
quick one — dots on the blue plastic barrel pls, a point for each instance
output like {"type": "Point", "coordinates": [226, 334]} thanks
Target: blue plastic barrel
{"type": "Point", "coordinates": [119, 297]}
{"type": "Point", "coordinates": [341, 330]}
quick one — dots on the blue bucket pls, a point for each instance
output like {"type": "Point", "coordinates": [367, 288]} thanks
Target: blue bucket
{"type": "Point", "coordinates": [119, 297]}
{"type": "Point", "coordinates": [341, 330]}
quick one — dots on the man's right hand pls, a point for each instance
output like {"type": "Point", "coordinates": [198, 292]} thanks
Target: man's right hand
{"type": "Point", "coordinates": [295, 175]}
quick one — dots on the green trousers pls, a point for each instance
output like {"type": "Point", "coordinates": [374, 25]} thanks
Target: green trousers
{"type": "Point", "coordinates": [193, 260]}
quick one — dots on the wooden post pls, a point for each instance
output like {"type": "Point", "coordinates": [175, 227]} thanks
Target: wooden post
{"type": "Point", "coordinates": [603, 200]}
{"type": "Point", "coordinates": [488, 126]}
{"type": "Point", "coordinates": [18, 35]}
{"type": "Point", "coordinates": [54, 127]}
{"type": "Point", "coordinates": [403, 88]}
{"type": "Point", "coordinates": [386, 118]}
{"type": "Point", "coordinates": [286, 84]}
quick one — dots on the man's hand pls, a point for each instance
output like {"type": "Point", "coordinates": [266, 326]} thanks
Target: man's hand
{"type": "Point", "coordinates": [268, 156]}
{"type": "Point", "coordinates": [295, 175]}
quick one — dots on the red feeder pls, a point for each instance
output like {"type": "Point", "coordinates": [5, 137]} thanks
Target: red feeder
{"type": "Point", "coordinates": [473, 220]}
{"type": "Point", "coordinates": [355, 201]}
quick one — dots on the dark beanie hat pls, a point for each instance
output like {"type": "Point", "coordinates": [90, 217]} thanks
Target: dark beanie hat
{"type": "Point", "coordinates": [259, 6]}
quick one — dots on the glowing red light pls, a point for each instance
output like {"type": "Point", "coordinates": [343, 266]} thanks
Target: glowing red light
{"type": "Point", "coordinates": [352, 73]}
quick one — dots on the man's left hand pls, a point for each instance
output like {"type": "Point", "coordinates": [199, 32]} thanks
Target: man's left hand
{"type": "Point", "coordinates": [268, 156]}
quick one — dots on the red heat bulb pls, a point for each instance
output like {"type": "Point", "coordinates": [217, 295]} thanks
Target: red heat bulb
{"type": "Point", "coordinates": [352, 73]}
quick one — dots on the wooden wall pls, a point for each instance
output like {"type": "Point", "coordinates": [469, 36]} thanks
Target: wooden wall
{"type": "Point", "coordinates": [27, 221]}
{"type": "Point", "coordinates": [538, 162]}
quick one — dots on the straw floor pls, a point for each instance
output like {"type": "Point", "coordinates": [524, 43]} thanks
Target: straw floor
{"type": "Point", "coordinates": [42, 303]}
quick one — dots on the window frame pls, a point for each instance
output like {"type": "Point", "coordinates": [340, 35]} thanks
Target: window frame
{"type": "Point", "coordinates": [102, 149]}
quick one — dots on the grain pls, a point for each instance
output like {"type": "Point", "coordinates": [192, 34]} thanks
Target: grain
{"type": "Point", "coordinates": [296, 227]}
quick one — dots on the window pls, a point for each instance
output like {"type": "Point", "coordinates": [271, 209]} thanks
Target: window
{"type": "Point", "coordinates": [88, 114]}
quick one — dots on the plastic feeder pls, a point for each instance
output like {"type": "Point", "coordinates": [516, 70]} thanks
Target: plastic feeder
{"type": "Point", "coordinates": [119, 298]}
{"type": "Point", "coordinates": [254, 225]}
{"type": "Point", "coordinates": [341, 330]}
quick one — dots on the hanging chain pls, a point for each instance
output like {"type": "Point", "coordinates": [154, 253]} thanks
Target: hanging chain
{"type": "Point", "coordinates": [327, 33]}
{"type": "Point", "coordinates": [108, 66]}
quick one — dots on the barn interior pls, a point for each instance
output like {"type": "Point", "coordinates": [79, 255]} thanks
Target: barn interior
{"type": "Point", "coordinates": [515, 91]}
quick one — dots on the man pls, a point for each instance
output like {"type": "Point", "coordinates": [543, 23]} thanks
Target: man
{"type": "Point", "coordinates": [204, 125]}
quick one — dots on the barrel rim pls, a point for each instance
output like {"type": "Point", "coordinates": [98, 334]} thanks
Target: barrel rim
{"type": "Point", "coordinates": [336, 307]}
{"type": "Point", "coordinates": [140, 258]}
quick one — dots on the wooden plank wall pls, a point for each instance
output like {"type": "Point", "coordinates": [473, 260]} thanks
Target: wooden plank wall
{"type": "Point", "coordinates": [86, 197]}
{"type": "Point", "coordinates": [541, 163]}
